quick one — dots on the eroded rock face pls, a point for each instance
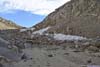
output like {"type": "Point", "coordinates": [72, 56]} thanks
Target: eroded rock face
{"type": "Point", "coordinates": [80, 17]}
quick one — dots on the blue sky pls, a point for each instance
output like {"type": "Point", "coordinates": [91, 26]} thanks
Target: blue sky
{"type": "Point", "coordinates": [28, 12]}
{"type": "Point", "coordinates": [23, 18]}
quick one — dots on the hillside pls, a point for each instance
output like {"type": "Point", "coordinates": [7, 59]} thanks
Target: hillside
{"type": "Point", "coordinates": [76, 17]}
{"type": "Point", "coordinates": [6, 24]}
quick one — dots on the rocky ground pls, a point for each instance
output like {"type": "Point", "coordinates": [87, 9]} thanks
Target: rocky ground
{"type": "Point", "coordinates": [19, 49]}
{"type": "Point", "coordinates": [58, 56]}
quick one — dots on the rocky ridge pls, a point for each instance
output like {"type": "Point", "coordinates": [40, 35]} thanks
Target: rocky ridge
{"type": "Point", "coordinates": [7, 24]}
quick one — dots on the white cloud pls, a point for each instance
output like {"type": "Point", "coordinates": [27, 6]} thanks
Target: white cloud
{"type": "Point", "coordinates": [41, 7]}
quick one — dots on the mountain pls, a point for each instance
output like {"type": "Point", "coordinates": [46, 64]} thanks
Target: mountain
{"type": "Point", "coordinates": [76, 17]}
{"type": "Point", "coordinates": [7, 24]}
{"type": "Point", "coordinates": [69, 46]}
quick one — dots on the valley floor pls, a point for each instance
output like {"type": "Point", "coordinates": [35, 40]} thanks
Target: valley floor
{"type": "Point", "coordinates": [58, 56]}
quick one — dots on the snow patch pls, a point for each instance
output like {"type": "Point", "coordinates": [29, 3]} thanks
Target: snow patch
{"type": "Point", "coordinates": [31, 29]}
{"type": "Point", "coordinates": [93, 66]}
{"type": "Point", "coordinates": [68, 37]}
{"type": "Point", "coordinates": [41, 31]}
{"type": "Point", "coordinates": [27, 29]}
{"type": "Point", "coordinates": [23, 30]}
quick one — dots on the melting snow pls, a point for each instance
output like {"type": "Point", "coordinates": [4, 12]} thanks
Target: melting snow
{"type": "Point", "coordinates": [93, 66]}
{"type": "Point", "coordinates": [68, 37]}
{"type": "Point", "coordinates": [41, 31]}
{"type": "Point", "coordinates": [26, 29]}
{"type": "Point", "coordinates": [31, 29]}
{"type": "Point", "coordinates": [23, 30]}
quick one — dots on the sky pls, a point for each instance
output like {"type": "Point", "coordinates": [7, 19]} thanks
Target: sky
{"type": "Point", "coordinates": [28, 12]}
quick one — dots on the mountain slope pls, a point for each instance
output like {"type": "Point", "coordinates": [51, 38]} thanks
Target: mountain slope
{"type": "Point", "coordinates": [76, 17]}
{"type": "Point", "coordinates": [6, 24]}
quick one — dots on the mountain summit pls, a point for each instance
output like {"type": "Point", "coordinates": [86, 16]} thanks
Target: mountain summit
{"type": "Point", "coordinates": [6, 24]}
{"type": "Point", "coordinates": [76, 17]}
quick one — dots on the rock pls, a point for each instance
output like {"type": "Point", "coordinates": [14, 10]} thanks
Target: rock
{"type": "Point", "coordinates": [4, 41]}
{"type": "Point", "coordinates": [92, 49]}
{"type": "Point", "coordinates": [24, 57]}
{"type": "Point", "coordinates": [28, 45]}
{"type": "Point", "coordinates": [66, 53]}
{"type": "Point", "coordinates": [89, 61]}
{"type": "Point", "coordinates": [9, 54]}
{"type": "Point", "coordinates": [1, 65]}
{"type": "Point", "coordinates": [50, 55]}
{"type": "Point", "coordinates": [2, 44]}
{"type": "Point", "coordinates": [97, 43]}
